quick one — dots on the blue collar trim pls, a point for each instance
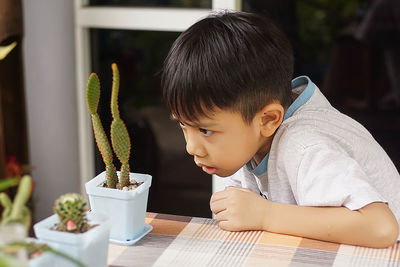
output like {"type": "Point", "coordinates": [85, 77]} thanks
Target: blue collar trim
{"type": "Point", "coordinates": [261, 168]}
{"type": "Point", "coordinates": [300, 100]}
{"type": "Point", "coordinates": [303, 97]}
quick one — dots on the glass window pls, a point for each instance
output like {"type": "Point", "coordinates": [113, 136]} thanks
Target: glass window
{"type": "Point", "coordinates": [351, 50]}
{"type": "Point", "coordinates": [158, 146]}
{"type": "Point", "coordinates": [154, 3]}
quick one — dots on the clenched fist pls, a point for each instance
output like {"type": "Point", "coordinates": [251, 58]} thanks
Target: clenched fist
{"type": "Point", "coordinates": [239, 209]}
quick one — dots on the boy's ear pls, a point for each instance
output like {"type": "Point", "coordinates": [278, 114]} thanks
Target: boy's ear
{"type": "Point", "coordinates": [270, 118]}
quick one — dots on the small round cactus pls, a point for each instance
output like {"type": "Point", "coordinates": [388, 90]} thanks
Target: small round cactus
{"type": "Point", "coordinates": [71, 210]}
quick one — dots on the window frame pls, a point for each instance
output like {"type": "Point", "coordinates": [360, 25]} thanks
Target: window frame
{"type": "Point", "coordinates": [126, 18]}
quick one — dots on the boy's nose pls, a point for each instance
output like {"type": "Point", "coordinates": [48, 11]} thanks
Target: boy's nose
{"type": "Point", "coordinates": [194, 148]}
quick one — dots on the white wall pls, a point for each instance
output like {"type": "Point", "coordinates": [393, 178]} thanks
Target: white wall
{"type": "Point", "coordinates": [49, 70]}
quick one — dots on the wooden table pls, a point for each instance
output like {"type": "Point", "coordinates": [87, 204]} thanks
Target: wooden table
{"type": "Point", "coordinates": [191, 241]}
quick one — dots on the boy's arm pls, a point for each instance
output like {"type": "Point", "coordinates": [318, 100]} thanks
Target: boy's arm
{"type": "Point", "coordinates": [238, 209]}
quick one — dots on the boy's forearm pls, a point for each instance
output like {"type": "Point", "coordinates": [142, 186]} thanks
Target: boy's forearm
{"type": "Point", "coordinates": [373, 225]}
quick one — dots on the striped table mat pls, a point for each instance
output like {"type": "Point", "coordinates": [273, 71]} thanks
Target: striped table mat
{"type": "Point", "coordinates": [190, 241]}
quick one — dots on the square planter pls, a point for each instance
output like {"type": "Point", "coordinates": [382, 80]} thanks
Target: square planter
{"type": "Point", "coordinates": [127, 209]}
{"type": "Point", "coordinates": [12, 233]}
{"type": "Point", "coordinates": [45, 259]}
{"type": "Point", "coordinates": [90, 247]}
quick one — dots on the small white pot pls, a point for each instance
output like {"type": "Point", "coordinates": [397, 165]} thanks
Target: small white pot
{"type": "Point", "coordinates": [90, 247]}
{"type": "Point", "coordinates": [127, 209]}
{"type": "Point", "coordinates": [45, 259]}
{"type": "Point", "coordinates": [12, 233]}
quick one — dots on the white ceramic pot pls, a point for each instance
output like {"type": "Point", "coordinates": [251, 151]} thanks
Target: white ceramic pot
{"type": "Point", "coordinates": [45, 259]}
{"type": "Point", "coordinates": [127, 209]}
{"type": "Point", "coordinates": [90, 247]}
{"type": "Point", "coordinates": [12, 233]}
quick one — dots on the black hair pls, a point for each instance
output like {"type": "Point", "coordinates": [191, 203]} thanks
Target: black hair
{"type": "Point", "coordinates": [231, 60]}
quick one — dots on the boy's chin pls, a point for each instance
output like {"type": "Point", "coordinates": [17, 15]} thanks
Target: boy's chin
{"type": "Point", "coordinates": [225, 174]}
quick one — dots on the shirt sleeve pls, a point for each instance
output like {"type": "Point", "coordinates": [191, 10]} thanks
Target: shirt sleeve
{"type": "Point", "coordinates": [242, 178]}
{"type": "Point", "coordinates": [327, 177]}
{"type": "Point", "coordinates": [233, 180]}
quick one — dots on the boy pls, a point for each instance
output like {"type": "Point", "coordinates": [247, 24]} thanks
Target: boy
{"type": "Point", "coordinates": [293, 164]}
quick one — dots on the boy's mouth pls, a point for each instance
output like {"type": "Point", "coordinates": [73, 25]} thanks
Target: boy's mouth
{"type": "Point", "coordinates": [209, 170]}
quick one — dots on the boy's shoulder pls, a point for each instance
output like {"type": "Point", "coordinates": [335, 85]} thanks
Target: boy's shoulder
{"type": "Point", "coordinates": [316, 122]}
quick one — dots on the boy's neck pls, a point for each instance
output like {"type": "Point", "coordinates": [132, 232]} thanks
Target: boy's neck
{"type": "Point", "coordinates": [265, 148]}
{"type": "Point", "coordinates": [260, 155]}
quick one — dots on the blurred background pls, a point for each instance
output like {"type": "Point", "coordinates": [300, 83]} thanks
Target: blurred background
{"type": "Point", "coordinates": [349, 48]}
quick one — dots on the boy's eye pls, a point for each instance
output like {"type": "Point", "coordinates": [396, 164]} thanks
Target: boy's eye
{"type": "Point", "coordinates": [206, 132]}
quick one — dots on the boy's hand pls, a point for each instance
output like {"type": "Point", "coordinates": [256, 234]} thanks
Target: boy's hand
{"type": "Point", "coordinates": [239, 209]}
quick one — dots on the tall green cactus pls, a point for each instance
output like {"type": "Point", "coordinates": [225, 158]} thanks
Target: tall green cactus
{"type": "Point", "coordinates": [119, 134]}
{"type": "Point", "coordinates": [92, 100]}
{"type": "Point", "coordinates": [17, 212]}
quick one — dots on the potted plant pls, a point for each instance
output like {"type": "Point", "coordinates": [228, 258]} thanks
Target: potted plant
{"type": "Point", "coordinates": [81, 235]}
{"type": "Point", "coordinates": [38, 254]}
{"type": "Point", "coordinates": [122, 195]}
{"type": "Point", "coordinates": [15, 219]}
{"type": "Point", "coordinates": [15, 248]}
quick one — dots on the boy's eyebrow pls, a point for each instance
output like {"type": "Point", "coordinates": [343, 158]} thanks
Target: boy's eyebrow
{"type": "Point", "coordinates": [193, 124]}
{"type": "Point", "coordinates": [205, 125]}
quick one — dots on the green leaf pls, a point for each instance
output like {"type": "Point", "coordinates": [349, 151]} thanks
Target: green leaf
{"type": "Point", "coordinates": [4, 184]}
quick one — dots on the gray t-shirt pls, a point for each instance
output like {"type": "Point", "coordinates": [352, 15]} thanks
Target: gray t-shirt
{"type": "Point", "coordinates": [321, 157]}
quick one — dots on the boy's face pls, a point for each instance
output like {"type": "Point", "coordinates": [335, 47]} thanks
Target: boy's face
{"type": "Point", "coordinates": [223, 142]}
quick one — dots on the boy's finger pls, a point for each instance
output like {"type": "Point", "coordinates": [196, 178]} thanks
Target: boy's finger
{"type": "Point", "coordinates": [227, 226]}
{"type": "Point", "coordinates": [217, 207]}
{"type": "Point", "coordinates": [231, 188]}
{"type": "Point", "coordinates": [218, 196]}
{"type": "Point", "coordinates": [220, 217]}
